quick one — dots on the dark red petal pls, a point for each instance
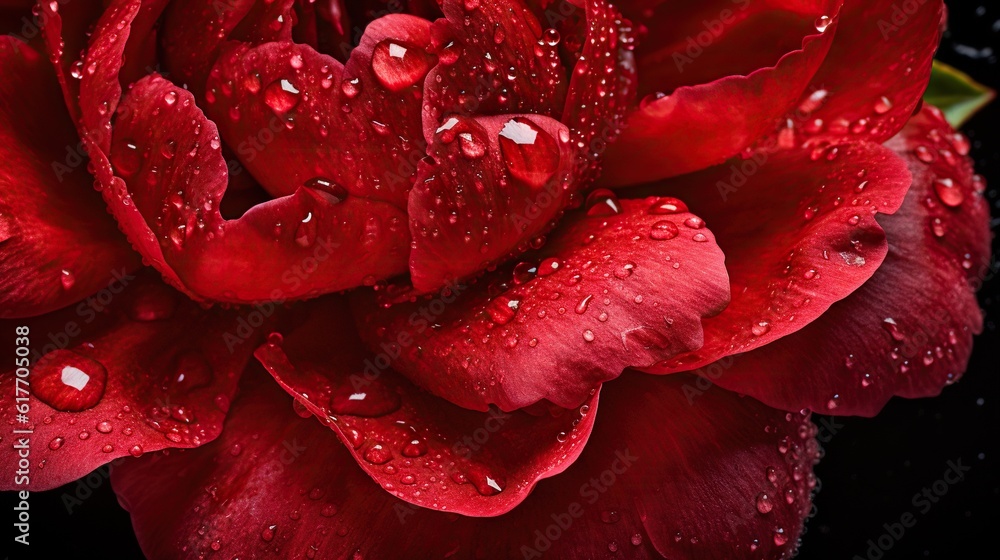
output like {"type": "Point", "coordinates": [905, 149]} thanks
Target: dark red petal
{"type": "Point", "coordinates": [714, 109]}
{"type": "Point", "coordinates": [134, 368]}
{"type": "Point", "coordinates": [194, 32]}
{"type": "Point", "coordinates": [603, 83]}
{"type": "Point", "coordinates": [418, 447]}
{"type": "Point", "coordinates": [57, 243]}
{"type": "Point", "coordinates": [686, 485]}
{"type": "Point", "coordinates": [799, 232]}
{"type": "Point", "coordinates": [297, 117]}
{"type": "Point", "coordinates": [874, 75]}
{"type": "Point", "coordinates": [303, 244]}
{"type": "Point", "coordinates": [492, 185]}
{"type": "Point", "coordinates": [626, 285]}
{"type": "Point", "coordinates": [488, 64]}
{"type": "Point", "coordinates": [65, 30]}
{"type": "Point", "coordinates": [907, 331]}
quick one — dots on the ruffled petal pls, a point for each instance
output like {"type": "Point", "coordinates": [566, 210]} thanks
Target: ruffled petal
{"type": "Point", "coordinates": [194, 32]}
{"type": "Point", "coordinates": [626, 283]}
{"type": "Point", "coordinates": [57, 242]}
{"type": "Point", "coordinates": [418, 447]}
{"type": "Point", "coordinates": [874, 76]}
{"type": "Point", "coordinates": [133, 368]}
{"type": "Point", "coordinates": [488, 64]}
{"type": "Point", "coordinates": [799, 232]}
{"type": "Point", "coordinates": [729, 70]}
{"type": "Point", "coordinates": [907, 331]}
{"type": "Point", "coordinates": [290, 247]}
{"type": "Point", "coordinates": [723, 478]}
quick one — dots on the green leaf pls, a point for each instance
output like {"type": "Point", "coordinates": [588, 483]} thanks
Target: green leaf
{"type": "Point", "coordinates": [955, 93]}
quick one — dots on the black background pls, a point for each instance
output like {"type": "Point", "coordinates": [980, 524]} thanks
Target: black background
{"type": "Point", "coordinates": [872, 468]}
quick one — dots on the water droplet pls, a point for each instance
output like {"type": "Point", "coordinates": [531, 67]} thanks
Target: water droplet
{"type": "Point", "coordinates": [281, 96]}
{"type": "Point", "coordinates": [764, 503]}
{"type": "Point", "coordinates": [823, 22]}
{"type": "Point", "coordinates": [398, 65]}
{"type": "Point", "coordinates": [56, 443]}
{"type": "Point", "coordinates": [603, 202]}
{"type": "Point", "coordinates": [890, 326]}
{"type": "Point", "coordinates": [588, 335]}
{"type": "Point", "coordinates": [949, 193]}
{"type": "Point", "coordinates": [883, 105]}
{"type": "Point", "coordinates": [377, 454]}
{"type": "Point", "coordinates": [337, 192]}
{"type": "Point", "coordinates": [530, 154]}
{"type": "Point", "coordinates": [663, 230]}
{"type": "Point", "coordinates": [374, 399]}
{"type": "Point", "coordinates": [68, 381]}
{"type": "Point", "coordinates": [760, 328]}
{"type": "Point", "coordinates": [306, 231]}
{"type": "Point", "coordinates": [667, 205]}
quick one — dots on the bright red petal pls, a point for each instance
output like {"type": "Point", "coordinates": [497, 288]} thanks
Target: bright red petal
{"type": "Point", "coordinates": [487, 64]}
{"type": "Point", "coordinates": [497, 183]}
{"type": "Point", "coordinates": [799, 232]}
{"type": "Point", "coordinates": [726, 82]}
{"type": "Point", "coordinates": [866, 92]}
{"type": "Point", "coordinates": [418, 447]}
{"type": "Point", "coordinates": [296, 117]}
{"type": "Point", "coordinates": [907, 331]}
{"type": "Point", "coordinates": [287, 248]}
{"type": "Point", "coordinates": [493, 184]}
{"type": "Point", "coordinates": [725, 477]}
{"type": "Point", "coordinates": [626, 285]}
{"type": "Point", "coordinates": [57, 242]}
{"type": "Point", "coordinates": [134, 368]}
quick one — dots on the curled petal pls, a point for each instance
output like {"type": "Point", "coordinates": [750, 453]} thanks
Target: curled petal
{"type": "Point", "coordinates": [702, 104]}
{"type": "Point", "coordinates": [626, 283]}
{"type": "Point", "coordinates": [57, 243]}
{"type": "Point", "coordinates": [908, 330]}
{"type": "Point", "coordinates": [724, 478]}
{"type": "Point", "coordinates": [131, 369]}
{"type": "Point", "coordinates": [799, 232]}
{"type": "Point", "coordinates": [418, 447]}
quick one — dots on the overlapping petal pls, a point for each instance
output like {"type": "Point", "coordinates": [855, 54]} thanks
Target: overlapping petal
{"type": "Point", "coordinates": [799, 232]}
{"type": "Point", "coordinates": [57, 243]}
{"type": "Point", "coordinates": [625, 284]}
{"type": "Point", "coordinates": [716, 104]}
{"type": "Point", "coordinates": [874, 75]}
{"type": "Point", "coordinates": [908, 330]}
{"type": "Point", "coordinates": [419, 447]}
{"type": "Point", "coordinates": [131, 369]}
{"type": "Point", "coordinates": [724, 477]}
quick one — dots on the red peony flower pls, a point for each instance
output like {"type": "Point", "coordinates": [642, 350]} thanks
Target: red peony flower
{"type": "Point", "coordinates": [403, 211]}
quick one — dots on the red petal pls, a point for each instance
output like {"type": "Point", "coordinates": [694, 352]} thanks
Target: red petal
{"type": "Point", "coordinates": [799, 232]}
{"type": "Point", "coordinates": [286, 248]}
{"type": "Point", "coordinates": [65, 31]}
{"type": "Point", "coordinates": [603, 82]}
{"type": "Point", "coordinates": [194, 32]}
{"type": "Point", "coordinates": [607, 292]}
{"type": "Point", "coordinates": [487, 64]}
{"type": "Point", "coordinates": [494, 183]}
{"type": "Point", "coordinates": [57, 243]}
{"type": "Point", "coordinates": [525, 169]}
{"type": "Point", "coordinates": [296, 117]}
{"type": "Point", "coordinates": [690, 485]}
{"type": "Point", "coordinates": [907, 331]}
{"type": "Point", "coordinates": [132, 369]}
{"type": "Point", "coordinates": [419, 448]}
{"type": "Point", "coordinates": [721, 103]}
{"type": "Point", "coordinates": [869, 92]}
